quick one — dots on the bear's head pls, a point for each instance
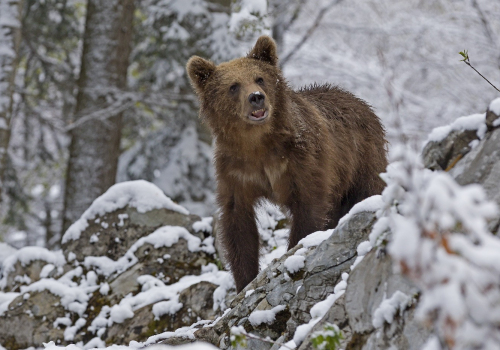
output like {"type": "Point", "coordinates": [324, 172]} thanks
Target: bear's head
{"type": "Point", "coordinates": [240, 92]}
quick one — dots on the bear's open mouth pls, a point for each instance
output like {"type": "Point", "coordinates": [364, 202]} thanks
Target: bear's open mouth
{"type": "Point", "coordinates": [258, 115]}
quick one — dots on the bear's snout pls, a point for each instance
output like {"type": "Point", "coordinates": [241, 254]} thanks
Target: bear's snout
{"type": "Point", "coordinates": [256, 99]}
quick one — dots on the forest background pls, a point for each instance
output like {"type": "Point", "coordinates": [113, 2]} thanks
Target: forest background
{"type": "Point", "coordinates": [95, 92]}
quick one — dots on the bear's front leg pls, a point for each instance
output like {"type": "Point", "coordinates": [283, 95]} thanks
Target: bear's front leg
{"type": "Point", "coordinates": [309, 207]}
{"type": "Point", "coordinates": [240, 237]}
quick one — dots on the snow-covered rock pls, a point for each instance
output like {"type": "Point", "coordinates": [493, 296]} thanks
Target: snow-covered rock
{"type": "Point", "coordinates": [134, 265]}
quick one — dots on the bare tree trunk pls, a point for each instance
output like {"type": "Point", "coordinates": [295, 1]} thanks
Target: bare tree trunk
{"type": "Point", "coordinates": [10, 39]}
{"type": "Point", "coordinates": [95, 144]}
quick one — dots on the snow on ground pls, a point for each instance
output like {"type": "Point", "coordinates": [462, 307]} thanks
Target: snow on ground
{"type": "Point", "coordinates": [139, 194]}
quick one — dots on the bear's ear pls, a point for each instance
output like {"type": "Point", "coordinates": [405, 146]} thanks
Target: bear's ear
{"type": "Point", "coordinates": [199, 70]}
{"type": "Point", "coordinates": [265, 50]}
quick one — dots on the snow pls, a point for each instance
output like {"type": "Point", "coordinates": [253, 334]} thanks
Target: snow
{"type": "Point", "coordinates": [141, 195]}
{"type": "Point", "coordinates": [46, 270]}
{"type": "Point", "coordinates": [440, 236]}
{"type": "Point", "coordinates": [73, 299]}
{"type": "Point", "coordinates": [249, 12]}
{"type": "Point", "coordinates": [295, 263]}
{"type": "Point", "coordinates": [65, 321]}
{"type": "Point", "coordinates": [120, 313]}
{"type": "Point", "coordinates": [387, 309]}
{"type": "Point", "coordinates": [265, 316]}
{"type": "Point", "coordinates": [370, 204]}
{"type": "Point", "coordinates": [163, 297]}
{"type": "Point", "coordinates": [204, 225]}
{"type": "Point", "coordinates": [364, 248]}
{"type": "Point", "coordinates": [471, 122]}
{"type": "Point", "coordinates": [169, 307]}
{"type": "Point", "coordinates": [5, 300]}
{"type": "Point", "coordinates": [165, 236]}
{"type": "Point", "coordinates": [26, 256]}
{"type": "Point", "coordinates": [275, 241]}
{"type": "Point", "coordinates": [70, 332]}
{"type": "Point", "coordinates": [104, 289]}
{"type": "Point", "coordinates": [495, 106]}
{"type": "Point", "coordinates": [315, 238]}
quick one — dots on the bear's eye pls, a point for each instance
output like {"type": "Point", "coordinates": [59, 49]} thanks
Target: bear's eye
{"type": "Point", "coordinates": [259, 81]}
{"type": "Point", "coordinates": [233, 88]}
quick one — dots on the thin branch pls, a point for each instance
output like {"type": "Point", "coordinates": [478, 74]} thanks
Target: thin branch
{"type": "Point", "coordinates": [482, 76]}
{"type": "Point", "coordinates": [101, 114]}
{"type": "Point", "coordinates": [466, 60]}
{"type": "Point", "coordinates": [310, 31]}
{"type": "Point", "coordinates": [124, 101]}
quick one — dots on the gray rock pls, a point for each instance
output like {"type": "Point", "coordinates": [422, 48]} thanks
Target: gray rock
{"type": "Point", "coordinates": [490, 118]}
{"type": "Point", "coordinates": [23, 275]}
{"type": "Point", "coordinates": [336, 315]}
{"type": "Point", "coordinates": [114, 233]}
{"type": "Point", "coordinates": [372, 281]}
{"type": "Point", "coordinates": [197, 303]}
{"type": "Point", "coordinates": [274, 286]}
{"type": "Point", "coordinates": [482, 166]}
{"type": "Point", "coordinates": [30, 321]}
{"type": "Point", "coordinates": [445, 154]}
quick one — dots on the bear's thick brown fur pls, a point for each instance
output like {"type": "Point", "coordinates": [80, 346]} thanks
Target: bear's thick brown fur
{"type": "Point", "coordinates": [315, 152]}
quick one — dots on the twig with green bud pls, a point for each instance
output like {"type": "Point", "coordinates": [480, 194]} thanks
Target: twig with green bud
{"type": "Point", "coordinates": [466, 60]}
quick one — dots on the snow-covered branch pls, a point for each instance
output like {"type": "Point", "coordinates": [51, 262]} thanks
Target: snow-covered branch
{"type": "Point", "coordinates": [440, 240]}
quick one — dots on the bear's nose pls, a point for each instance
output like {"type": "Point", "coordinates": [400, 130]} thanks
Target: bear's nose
{"type": "Point", "coordinates": [256, 99]}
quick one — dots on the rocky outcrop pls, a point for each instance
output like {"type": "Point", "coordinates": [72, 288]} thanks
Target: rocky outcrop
{"type": "Point", "coordinates": [128, 270]}
{"type": "Point", "coordinates": [296, 290]}
{"type": "Point", "coordinates": [112, 234]}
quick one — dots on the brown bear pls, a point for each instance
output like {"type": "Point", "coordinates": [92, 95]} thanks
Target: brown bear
{"type": "Point", "coordinates": [315, 152]}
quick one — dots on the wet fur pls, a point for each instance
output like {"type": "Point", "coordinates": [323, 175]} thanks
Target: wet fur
{"type": "Point", "coordinates": [319, 153]}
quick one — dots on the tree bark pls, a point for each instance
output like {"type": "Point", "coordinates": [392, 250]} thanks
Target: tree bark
{"type": "Point", "coordinates": [95, 144]}
{"type": "Point", "coordinates": [10, 39]}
